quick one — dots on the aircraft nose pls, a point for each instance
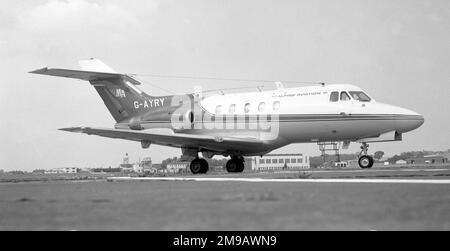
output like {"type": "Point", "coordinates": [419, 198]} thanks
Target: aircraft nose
{"type": "Point", "coordinates": [408, 120]}
{"type": "Point", "coordinates": [417, 121]}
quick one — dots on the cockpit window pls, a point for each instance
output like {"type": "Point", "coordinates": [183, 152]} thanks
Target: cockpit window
{"type": "Point", "coordinates": [344, 96]}
{"type": "Point", "coordinates": [361, 96]}
{"type": "Point", "coordinates": [334, 97]}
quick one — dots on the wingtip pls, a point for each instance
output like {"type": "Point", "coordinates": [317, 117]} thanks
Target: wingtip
{"type": "Point", "coordinates": [39, 71]}
{"type": "Point", "coordinates": [72, 129]}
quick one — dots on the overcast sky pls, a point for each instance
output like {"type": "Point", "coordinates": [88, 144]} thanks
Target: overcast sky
{"type": "Point", "coordinates": [397, 50]}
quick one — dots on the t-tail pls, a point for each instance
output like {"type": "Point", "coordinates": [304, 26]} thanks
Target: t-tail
{"type": "Point", "coordinates": [118, 91]}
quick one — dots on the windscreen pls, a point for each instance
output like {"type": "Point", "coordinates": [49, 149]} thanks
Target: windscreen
{"type": "Point", "coordinates": [361, 96]}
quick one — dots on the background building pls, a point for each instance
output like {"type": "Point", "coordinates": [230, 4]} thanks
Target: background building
{"type": "Point", "coordinates": [400, 162]}
{"type": "Point", "coordinates": [177, 167]}
{"type": "Point", "coordinates": [146, 164]}
{"type": "Point", "coordinates": [430, 159]}
{"type": "Point", "coordinates": [62, 170]}
{"type": "Point", "coordinates": [342, 164]}
{"type": "Point", "coordinates": [156, 168]}
{"type": "Point", "coordinates": [280, 162]}
{"type": "Point", "coordinates": [126, 166]}
{"type": "Point", "coordinates": [138, 168]}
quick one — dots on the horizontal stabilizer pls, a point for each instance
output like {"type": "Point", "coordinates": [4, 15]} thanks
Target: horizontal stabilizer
{"type": "Point", "coordinates": [83, 75]}
{"type": "Point", "coordinates": [72, 129]}
{"type": "Point", "coordinates": [118, 91]}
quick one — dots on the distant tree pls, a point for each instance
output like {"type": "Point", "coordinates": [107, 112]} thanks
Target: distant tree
{"type": "Point", "coordinates": [413, 154]}
{"type": "Point", "coordinates": [316, 161]}
{"type": "Point", "coordinates": [106, 170]}
{"type": "Point", "coordinates": [16, 172]}
{"type": "Point", "coordinates": [378, 155]}
{"type": "Point", "coordinates": [396, 158]}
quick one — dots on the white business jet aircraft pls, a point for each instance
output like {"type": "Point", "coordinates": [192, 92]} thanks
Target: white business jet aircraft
{"type": "Point", "coordinates": [242, 124]}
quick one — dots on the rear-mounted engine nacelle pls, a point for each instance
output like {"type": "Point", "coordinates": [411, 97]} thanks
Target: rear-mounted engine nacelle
{"type": "Point", "coordinates": [183, 121]}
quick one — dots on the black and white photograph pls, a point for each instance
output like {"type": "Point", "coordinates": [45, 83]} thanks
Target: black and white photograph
{"type": "Point", "coordinates": [240, 119]}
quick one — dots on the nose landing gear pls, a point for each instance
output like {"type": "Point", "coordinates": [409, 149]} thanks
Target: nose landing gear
{"type": "Point", "coordinates": [365, 161]}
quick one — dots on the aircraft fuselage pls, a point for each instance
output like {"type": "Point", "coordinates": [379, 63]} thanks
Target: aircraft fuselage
{"type": "Point", "coordinates": [303, 115]}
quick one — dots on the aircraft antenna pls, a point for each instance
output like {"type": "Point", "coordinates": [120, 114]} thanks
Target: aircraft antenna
{"type": "Point", "coordinates": [223, 79]}
{"type": "Point", "coordinates": [222, 91]}
{"type": "Point", "coordinates": [156, 86]}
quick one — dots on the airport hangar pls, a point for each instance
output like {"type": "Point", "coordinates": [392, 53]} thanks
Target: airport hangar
{"type": "Point", "coordinates": [280, 162]}
{"type": "Point", "coordinates": [269, 162]}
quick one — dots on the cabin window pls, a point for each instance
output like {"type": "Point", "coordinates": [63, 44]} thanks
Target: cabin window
{"type": "Point", "coordinates": [274, 161]}
{"type": "Point", "coordinates": [299, 160]}
{"type": "Point", "coordinates": [232, 109]}
{"type": "Point", "coordinates": [294, 161]}
{"type": "Point", "coordinates": [288, 161]}
{"type": "Point", "coordinates": [334, 97]}
{"type": "Point", "coordinates": [344, 96]}
{"type": "Point", "coordinates": [281, 161]}
{"type": "Point", "coordinates": [261, 161]}
{"type": "Point", "coordinates": [276, 105]}
{"type": "Point", "coordinates": [361, 96]}
{"type": "Point", "coordinates": [262, 106]}
{"type": "Point", "coordinates": [219, 109]}
{"type": "Point", "coordinates": [247, 108]}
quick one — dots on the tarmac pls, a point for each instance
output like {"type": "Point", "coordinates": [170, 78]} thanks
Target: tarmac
{"type": "Point", "coordinates": [416, 199]}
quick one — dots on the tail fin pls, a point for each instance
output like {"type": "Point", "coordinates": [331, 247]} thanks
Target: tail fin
{"type": "Point", "coordinates": [95, 65]}
{"type": "Point", "coordinates": [118, 91]}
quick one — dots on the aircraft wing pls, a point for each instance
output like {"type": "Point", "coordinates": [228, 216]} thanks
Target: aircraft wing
{"type": "Point", "coordinates": [167, 137]}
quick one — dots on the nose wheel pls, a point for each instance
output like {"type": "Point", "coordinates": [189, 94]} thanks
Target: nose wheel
{"type": "Point", "coordinates": [365, 161]}
{"type": "Point", "coordinates": [199, 166]}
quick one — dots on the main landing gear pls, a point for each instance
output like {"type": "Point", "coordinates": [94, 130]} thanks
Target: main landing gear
{"type": "Point", "coordinates": [199, 166]}
{"type": "Point", "coordinates": [365, 161]}
{"type": "Point", "coordinates": [235, 165]}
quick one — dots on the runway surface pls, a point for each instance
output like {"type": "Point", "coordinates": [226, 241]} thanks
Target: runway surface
{"type": "Point", "coordinates": [375, 176]}
{"type": "Point", "coordinates": [205, 179]}
{"type": "Point", "coordinates": [320, 200]}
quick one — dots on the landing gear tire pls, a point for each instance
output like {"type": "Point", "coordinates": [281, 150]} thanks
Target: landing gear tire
{"type": "Point", "coordinates": [235, 165]}
{"type": "Point", "coordinates": [365, 161]}
{"type": "Point", "coordinates": [199, 166]}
